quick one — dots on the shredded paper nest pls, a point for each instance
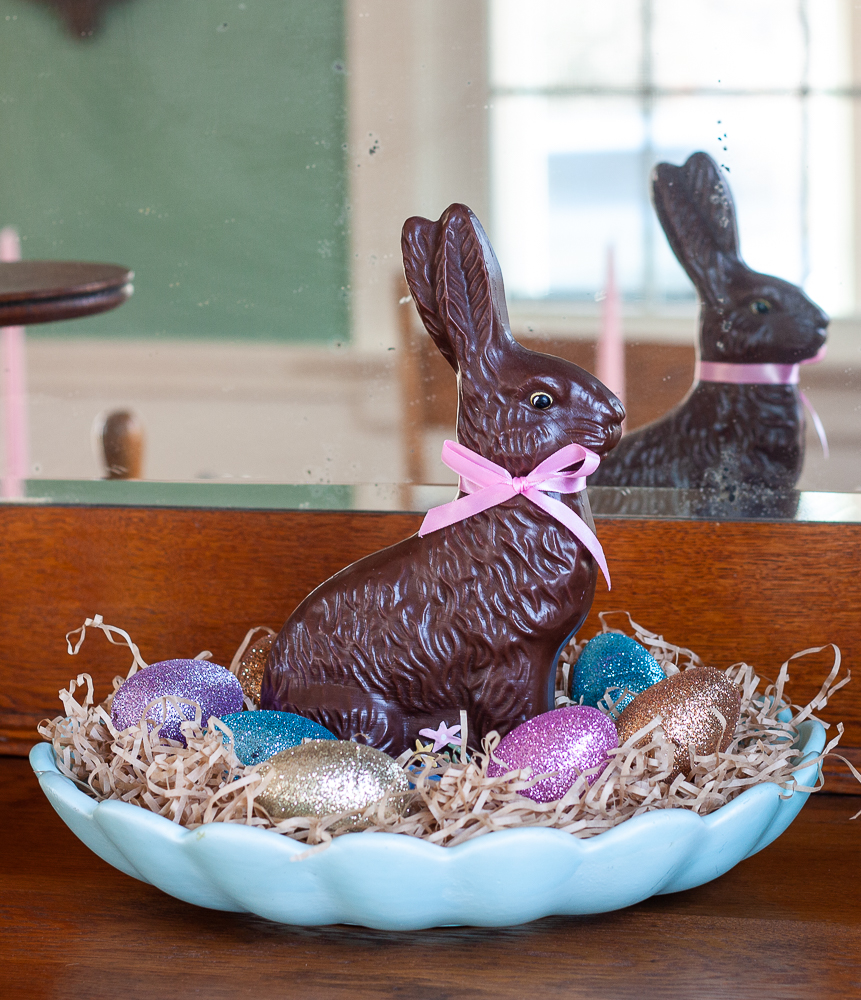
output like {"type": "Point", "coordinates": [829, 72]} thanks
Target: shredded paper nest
{"type": "Point", "coordinates": [454, 798]}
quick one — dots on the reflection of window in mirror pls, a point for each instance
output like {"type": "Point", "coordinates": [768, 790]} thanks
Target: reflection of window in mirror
{"type": "Point", "coordinates": [254, 162]}
{"type": "Point", "coordinates": [587, 98]}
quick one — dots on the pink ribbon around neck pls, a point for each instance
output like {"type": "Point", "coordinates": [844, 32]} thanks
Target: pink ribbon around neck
{"type": "Point", "coordinates": [488, 484]}
{"type": "Point", "coordinates": [765, 374]}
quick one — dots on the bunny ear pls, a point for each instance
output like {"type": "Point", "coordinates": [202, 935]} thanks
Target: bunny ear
{"type": "Point", "coordinates": [456, 283]}
{"type": "Point", "coordinates": [694, 205]}
{"type": "Point", "coordinates": [419, 242]}
{"type": "Point", "coordinates": [469, 289]}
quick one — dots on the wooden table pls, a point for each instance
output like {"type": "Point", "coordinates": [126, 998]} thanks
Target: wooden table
{"type": "Point", "coordinates": [785, 924]}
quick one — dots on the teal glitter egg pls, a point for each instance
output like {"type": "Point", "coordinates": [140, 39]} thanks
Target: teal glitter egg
{"type": "Point", "coordinates": [613, 660]}
{"type": "Point", "coordinates": [260, 735]}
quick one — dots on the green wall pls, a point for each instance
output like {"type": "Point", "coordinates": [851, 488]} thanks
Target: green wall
{"type": "Point", "coordinates": [199, 142]}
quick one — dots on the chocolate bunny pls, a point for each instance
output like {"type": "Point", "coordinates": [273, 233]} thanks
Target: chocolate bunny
{"type": "Point", "coordinates": [473, 615]}
{"type": "Point", "coordinates": [724, 434]}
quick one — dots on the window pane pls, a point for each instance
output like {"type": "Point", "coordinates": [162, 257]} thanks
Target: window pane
{"type": "Point", "coordinates": [558, 43]}
{"type": "Point", "coordinates": [727, 43]}
{"type": "Point", "coordinates": [761, 143]}
{"type": "Point", "coordinates": [830, 281]}
{"type": "Point", "coordinates": [830, 30]}
{"type": "Point", "coordinates": [569, 180]}
{"type": "Point", "coordinates": [519, 193]}
{"type": "Point", "coordinates": [595, 200]}
{"type": "Point", "coordinates": [571, 172]}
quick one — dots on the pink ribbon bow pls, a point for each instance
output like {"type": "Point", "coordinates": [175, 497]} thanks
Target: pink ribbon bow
{"type": "Point", "coordinates": [488, 484]}
{"type": "Point", "coordinates": [765, 374]}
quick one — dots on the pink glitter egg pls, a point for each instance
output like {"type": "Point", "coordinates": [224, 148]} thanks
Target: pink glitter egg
{"type": "Point", "coordinates": [213, 687]}
{"type": "Point", "coordinates": [566, 740]}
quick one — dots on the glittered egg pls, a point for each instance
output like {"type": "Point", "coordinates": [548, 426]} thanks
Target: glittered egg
{"type": "Point", "coordinates": [251, 666]}
{"type": "Point", "coordinates": [689, 704]}
{"type": "Point", "coordinates": [213, 687]}
{"type": "Point", "coordinates": [257, 736]}
{"type": "Point", "coordinates": [613, 660]}
{"type": "Point", "coordinates": [330, 776]}
{"type": "Point", "coordinates": [566, 740]}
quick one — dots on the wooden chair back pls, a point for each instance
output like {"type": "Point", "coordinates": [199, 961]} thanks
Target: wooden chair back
{"type": "Point", "coordinates": [659, 376]}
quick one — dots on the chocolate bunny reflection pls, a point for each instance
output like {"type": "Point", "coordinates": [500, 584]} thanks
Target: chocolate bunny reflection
{"type": "Point", "coordinates": [473, 614]}
{"type": "Point", "coordinates": [741, 424]}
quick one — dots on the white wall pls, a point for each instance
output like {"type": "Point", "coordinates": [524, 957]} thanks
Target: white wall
{"type": "Point", "coordinates": [417, 93]}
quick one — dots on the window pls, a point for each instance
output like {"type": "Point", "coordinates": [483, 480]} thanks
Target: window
{"type": "Point", "coordinates": [587, 97]}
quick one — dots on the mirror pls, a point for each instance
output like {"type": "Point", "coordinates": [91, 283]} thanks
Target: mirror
{"type": "Point", "coordinates": [254, 162]}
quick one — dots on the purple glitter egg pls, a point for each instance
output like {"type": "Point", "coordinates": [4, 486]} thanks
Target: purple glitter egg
{"type": "Point", "coordinates": [213, 687]}
{"type": "Point", "coordinates": [566, 740]}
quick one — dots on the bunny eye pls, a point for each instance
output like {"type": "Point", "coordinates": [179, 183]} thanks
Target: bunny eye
{"type": "Point", "coordinates": [541, 400]}
{"type": "Point", "coordinates": [760, 307]}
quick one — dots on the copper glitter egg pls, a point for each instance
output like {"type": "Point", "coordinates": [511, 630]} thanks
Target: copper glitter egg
{"type": "Point", "coordinates": [252, 665]}
{"type": "Point", "coordinates": [686, 703]}
{"type": "Point", "coordinates": [322, 777]}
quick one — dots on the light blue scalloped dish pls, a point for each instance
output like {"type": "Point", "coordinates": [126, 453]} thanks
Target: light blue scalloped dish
{"type": "Point", "coordinates": [394, 882]}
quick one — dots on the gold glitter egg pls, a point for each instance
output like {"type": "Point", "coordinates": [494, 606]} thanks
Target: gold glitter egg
{"type": "Point", "coordinates": [322, 777]}
{"type": "Point", "coordinates": [689, 704]}
{"type": "Point", "coordinates": [252, 665]}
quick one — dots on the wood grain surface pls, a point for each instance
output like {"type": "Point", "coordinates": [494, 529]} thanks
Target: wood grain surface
{"type": "Point", "coordinates": [783, 925]}
{"type": "Point", "coordinates": [185, 580]}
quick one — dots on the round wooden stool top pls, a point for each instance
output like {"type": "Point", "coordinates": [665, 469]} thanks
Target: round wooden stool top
{"type": "Point", "coordinates": [44, 291]}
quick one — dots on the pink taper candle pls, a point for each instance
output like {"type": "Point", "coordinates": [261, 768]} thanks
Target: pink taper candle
{"type": "Point", "coordinates": [610, 361]}
{"type": "Point", "coordinates": [14, 388]}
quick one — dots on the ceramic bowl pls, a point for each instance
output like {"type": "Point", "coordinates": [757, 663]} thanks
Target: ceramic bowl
{"type": "Point", "coordinates": [390, 881]}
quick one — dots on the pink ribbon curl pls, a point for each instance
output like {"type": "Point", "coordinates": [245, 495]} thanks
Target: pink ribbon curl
{"type": "Point", "coordinates": [488, 484]}
{"type": "Point", "coordinates": [765, 374]}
